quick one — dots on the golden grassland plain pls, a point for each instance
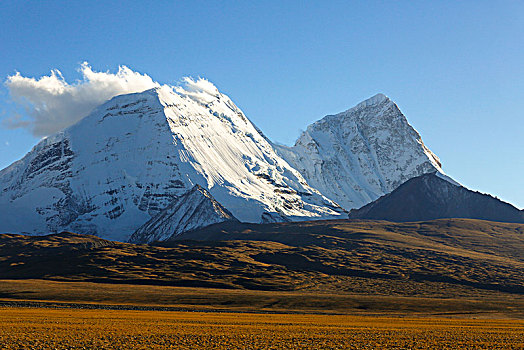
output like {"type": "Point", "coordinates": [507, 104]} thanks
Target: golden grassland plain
{"type": "Point", "coordinates": [36, 328]}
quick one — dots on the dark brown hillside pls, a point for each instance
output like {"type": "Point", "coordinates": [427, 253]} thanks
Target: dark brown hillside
{"type": "Point", "coordinates": [437, 258]}
{"type": "Point", "coordinates": [430, 197]}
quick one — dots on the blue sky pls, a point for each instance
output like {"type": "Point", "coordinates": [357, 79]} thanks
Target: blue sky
{"type": "Point", "coordinates": [454, 68]}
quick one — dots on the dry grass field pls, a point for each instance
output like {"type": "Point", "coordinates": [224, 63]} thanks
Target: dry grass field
{"type": "Point", "coordinates": [34, 328]}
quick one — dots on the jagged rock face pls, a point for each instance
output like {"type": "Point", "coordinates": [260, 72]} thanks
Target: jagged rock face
{"type": "Point", "coordinates": [195, 209]}
{"type": "Point", "coordinates": [133, 156]}
{"type": "Point", "coordinates": [356, 156]}
{"type": "Point", "coordinates": [433, 196]}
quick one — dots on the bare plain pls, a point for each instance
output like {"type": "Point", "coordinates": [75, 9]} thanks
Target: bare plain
{"type": "Point", "coordinates": [37, 328]}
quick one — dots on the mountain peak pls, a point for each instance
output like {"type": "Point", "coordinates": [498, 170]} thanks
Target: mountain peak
{"type": "Point", "coordinates": [372, 101]}
{"type": "Point", "coordinates": [356, 156]}
{"type": "Point", "coordinates": [134, 155]}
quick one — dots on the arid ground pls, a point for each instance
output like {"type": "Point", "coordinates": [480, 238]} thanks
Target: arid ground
{"type": "Point", "coordinates": [39, 314]}
{"type": "Point", "coordinates": [36, 328]}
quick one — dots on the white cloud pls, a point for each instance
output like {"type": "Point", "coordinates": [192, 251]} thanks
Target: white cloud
{"type": "Point", "coordinates": [52, 104]}
{"type": "Point", "coordinates": [200, 90]}
{"type": "Point", "coordinates": [201, 85]}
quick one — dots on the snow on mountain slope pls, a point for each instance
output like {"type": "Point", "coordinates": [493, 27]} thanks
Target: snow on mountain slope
{"type": "Point", "coordinates": [134, 155]}
{"type": "Point", "coordinates": [195, 209]}
{"type": "Point", "coordinates": [358, 155]}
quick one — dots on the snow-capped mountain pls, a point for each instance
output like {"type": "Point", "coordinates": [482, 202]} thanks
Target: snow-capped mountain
{"type": "Point", "coordinates": [356, 156]}
{"type": "Point", "coordinates": [193, 210]}
{"type": "Point", "coordinates": [133, 156]}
